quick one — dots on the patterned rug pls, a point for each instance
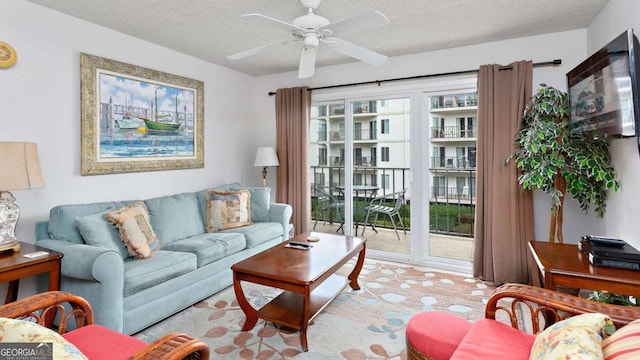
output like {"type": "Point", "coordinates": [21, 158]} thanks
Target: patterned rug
{"type": "Point", "coordinates": [365, 324]}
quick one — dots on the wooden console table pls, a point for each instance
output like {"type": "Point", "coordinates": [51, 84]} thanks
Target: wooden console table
{"type": "Point", "coordinates": [565, 265]}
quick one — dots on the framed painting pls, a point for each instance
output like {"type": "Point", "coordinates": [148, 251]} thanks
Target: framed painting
{"type": "Point", "coordinates": [136, 119]}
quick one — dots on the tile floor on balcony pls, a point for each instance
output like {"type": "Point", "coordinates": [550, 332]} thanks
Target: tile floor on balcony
{"type": "Point", "coordinates": [450, 247]}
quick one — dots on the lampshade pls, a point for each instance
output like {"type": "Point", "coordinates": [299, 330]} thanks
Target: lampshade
{"type": "Point", "coordinates": [266, 156]}
{"type": "Point", "coordinates": [19, 166]}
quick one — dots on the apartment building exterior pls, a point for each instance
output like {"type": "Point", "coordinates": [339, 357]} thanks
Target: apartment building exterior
{"type": "Point", "coordinates": [381, 157]}
{"type": "Point", "coordinates": [380, 144]}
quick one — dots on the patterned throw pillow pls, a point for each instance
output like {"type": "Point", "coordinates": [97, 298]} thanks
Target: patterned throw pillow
{"type": "Point", "coordinates": [624, 344]}
{"type": "Point", "coordinates": [578, 337]}
{"type": "Point", "coordinates": [21, 331]}
{"type": "Point", "coordinates": [134, 224]}
{"type": "Point", "coordinates": [228, 209]}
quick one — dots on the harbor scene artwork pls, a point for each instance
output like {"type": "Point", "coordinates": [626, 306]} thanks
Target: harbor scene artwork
{"type": "Point", "coordinates": [138, 119]}
{"type": "Point", "coordinates": [143, 119]}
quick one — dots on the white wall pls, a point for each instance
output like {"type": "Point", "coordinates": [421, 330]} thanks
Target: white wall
{"type": "Point", "coordinates": [623, 207]}
{"type": "Point", "coordinates": [40, 102]}
{"type": "Point", "coordinates": [568, 46]}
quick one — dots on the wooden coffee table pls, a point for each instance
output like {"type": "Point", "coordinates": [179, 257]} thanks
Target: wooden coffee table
{"type": "Point", "coordinates": [307, 276]}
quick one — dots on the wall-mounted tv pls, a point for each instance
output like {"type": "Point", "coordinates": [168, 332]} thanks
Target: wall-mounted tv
{"type": "Point", "coordinates": [603, 90]}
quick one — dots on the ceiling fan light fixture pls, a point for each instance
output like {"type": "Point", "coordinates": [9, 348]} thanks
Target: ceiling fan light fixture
{"type": "Point", "coordinates": [311, 40]}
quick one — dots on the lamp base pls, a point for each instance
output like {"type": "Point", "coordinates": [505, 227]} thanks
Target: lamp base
{"type": "Point", "coordinates": [264, 176]}
{"type": "Point", "coordinates": [15, 247]}
{"type": "Point", "coordinates": [9, 214]}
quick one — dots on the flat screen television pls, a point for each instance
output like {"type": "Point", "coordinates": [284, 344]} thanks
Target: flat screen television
{"type": "Point", "coordinates": [603, 90]}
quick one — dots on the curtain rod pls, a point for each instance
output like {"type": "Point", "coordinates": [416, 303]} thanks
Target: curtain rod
{"type": "Point", "coordinates": [462, 72]}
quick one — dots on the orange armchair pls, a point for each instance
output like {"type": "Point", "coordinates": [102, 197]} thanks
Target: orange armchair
{"type": "Point", "coordinates": [527, 309]}
{"type": "Point", "coordinates": [95, 341]}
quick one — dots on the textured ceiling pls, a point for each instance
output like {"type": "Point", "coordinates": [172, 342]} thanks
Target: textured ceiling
{"type": "Point", "coordinates": [212, 29]}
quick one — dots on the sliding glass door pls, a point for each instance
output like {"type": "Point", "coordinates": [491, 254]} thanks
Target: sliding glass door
{"type": "Point", "coordinates": [398, 168]}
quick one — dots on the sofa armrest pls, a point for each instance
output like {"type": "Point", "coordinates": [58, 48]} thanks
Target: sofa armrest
{"type": "Point", "coordinates": [86, 262]}
{"type": "Point", "coordinates": [97, 275]}
{"type": "Point", "coordinates": [543, 307]}
{"type": "Point", "coordinates": [281, 213]}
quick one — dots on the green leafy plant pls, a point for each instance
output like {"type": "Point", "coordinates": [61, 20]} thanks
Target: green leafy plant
{"type": "Point", "coordinates": [615, 299]}
{"type": "Point", "coordinates": [557, 162]}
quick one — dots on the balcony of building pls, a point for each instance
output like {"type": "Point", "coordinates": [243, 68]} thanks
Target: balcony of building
{"type": "Point", "coordinates": [456, 133]}
{"type": "Point", "coordinates": [453, 162]}
{"type": "Point", "coordinates": [364, 161]}
{"type": "Point", "coordinates": [454, 101]}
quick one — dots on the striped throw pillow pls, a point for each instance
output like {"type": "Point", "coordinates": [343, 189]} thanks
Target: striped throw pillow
{"type": "Point", "coordinates": [624, 344]}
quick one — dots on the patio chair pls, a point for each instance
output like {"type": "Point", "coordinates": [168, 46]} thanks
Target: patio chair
{"type": "Point", "coordinates": [378, 205]}
{"type": "Point", "coordinates": [329, 203]}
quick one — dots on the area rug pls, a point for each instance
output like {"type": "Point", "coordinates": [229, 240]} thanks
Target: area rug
{"type": "Point", "coordinates": [357, 325]}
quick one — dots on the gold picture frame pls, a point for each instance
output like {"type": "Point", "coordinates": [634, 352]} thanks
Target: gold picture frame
{"type": "Point", "coordinates": [135, 119]}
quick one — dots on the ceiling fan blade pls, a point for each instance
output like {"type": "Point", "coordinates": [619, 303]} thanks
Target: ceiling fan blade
{"type": "Point", "coordinates": [307, 62]}
{"type": "Point", "coordinates": [355, 51]}
{"type": "Point", "coordinates": [369, 21]}
{"type": "Point", "coordinates": [269, 21]}
{"type": "Point", "coordinates": [259, 49]}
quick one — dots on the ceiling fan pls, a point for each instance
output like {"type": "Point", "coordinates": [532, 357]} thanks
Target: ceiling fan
{"type": "Point", "coordinates": [313, 30]}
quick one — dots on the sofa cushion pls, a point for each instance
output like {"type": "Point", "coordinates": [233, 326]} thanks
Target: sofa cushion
{"type": "Point", "coordinates": [228, 209]}
{"type": "Point", "coordinates": [175, 217]}
{"type": "Point", "coordinates": [133, 222]}
{"type": "Point", "coordinates": [490, 339]}
{"type": "Point", "coordinates": [62, 219]}
{"type": "Point", "coordinates": [98, 342]}
{"type": "Point", "coordinates": [162, 266]}
{"type": "Point", "coordinates": [577, 337]}
{"type": "Point", "coordinates": [210, 247]}
{"type": "Point", "coordinates": [96, 230]}
{"type": "Point", "coordinates": [23, 331]}
{"type": "Point", "coordinates": [258, 233]}
{"type": "Point", "coordinates": [624, 344]}
{"type": "Point", "coordinates": [436, 334]}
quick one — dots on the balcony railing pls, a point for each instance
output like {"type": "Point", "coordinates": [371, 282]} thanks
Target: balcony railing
{"type": "Point", "coordinates": [336, 135]}
{"type": "Point", "coordinates": [453, 132]}
{"type": "Point", "coordinates": [453, 101]}
{"type": "Point", "coordinates": [365, 134]}
{"type": "Point", "coordinates": [451, 209]}
{"type": "Point", "coordinates": [445, 162]}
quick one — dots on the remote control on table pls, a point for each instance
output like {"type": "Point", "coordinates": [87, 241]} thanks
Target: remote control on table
{"type": "Point", "coordinates": [606, 241]}
{"type": "Point", "coordinates": [298, 245]}
{"type": "Point", "coordinates": [303, 245]}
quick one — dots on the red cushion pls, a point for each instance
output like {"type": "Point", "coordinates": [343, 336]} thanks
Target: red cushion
{"type": "Point", "coordinates": [489, 339]}
{"type": "Point", "coordinates": [98, 342]}
{"type": "Point", "coordinates": [436, 334]}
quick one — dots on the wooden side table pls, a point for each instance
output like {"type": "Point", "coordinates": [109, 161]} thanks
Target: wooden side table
{"type": "Point", "coordinates": [565, 265]}
{"type": "Point", "coordinates": [14, 266]}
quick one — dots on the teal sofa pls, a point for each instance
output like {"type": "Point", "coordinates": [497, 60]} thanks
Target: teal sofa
{"type": "Point", "coordinates": [129, 294]}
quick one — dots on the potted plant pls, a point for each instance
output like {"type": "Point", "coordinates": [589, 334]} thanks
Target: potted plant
{"type": "Point", "coordinates": [557, 162]}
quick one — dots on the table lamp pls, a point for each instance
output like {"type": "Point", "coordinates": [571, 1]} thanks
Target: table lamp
{"type": "Point", "coordinates": [266, 156]}
{"type": "Point", "coordinates": [19, 170]}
